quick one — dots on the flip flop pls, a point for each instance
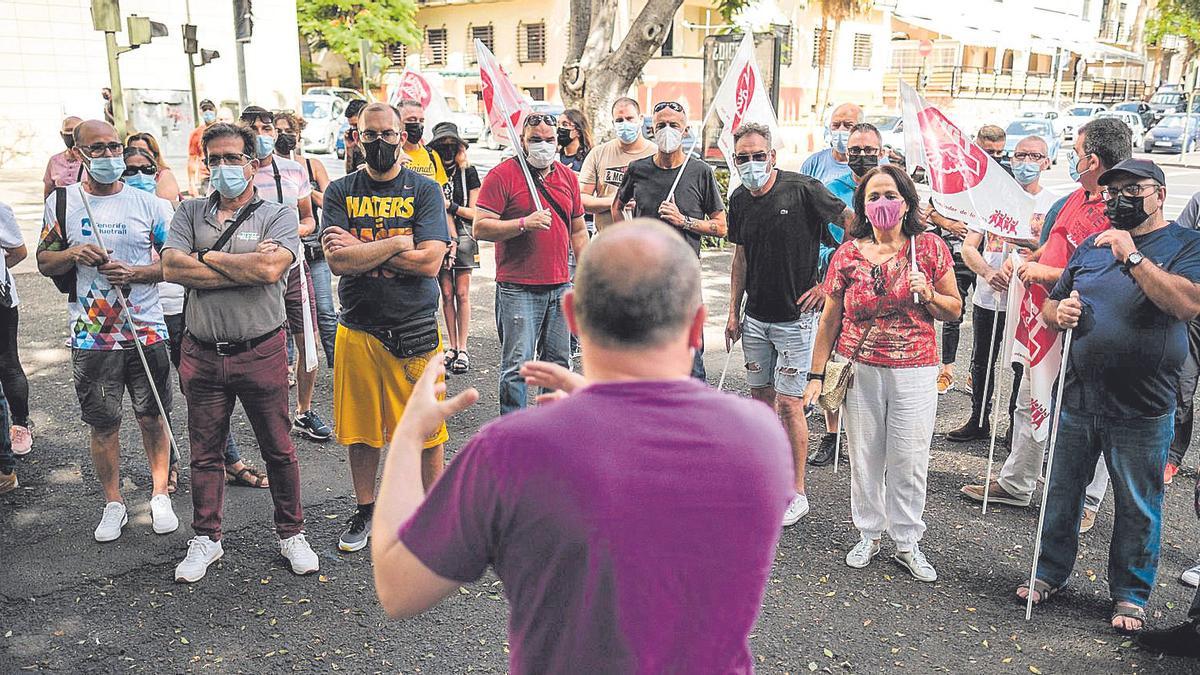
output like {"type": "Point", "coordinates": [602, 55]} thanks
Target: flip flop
{"type": "Point", "coordinates": [1121, 611]}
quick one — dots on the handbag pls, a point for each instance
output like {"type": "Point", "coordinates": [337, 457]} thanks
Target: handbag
{"type": "Point", "coordinates": [838, 376]}
{"type": "Point", "coordinates": [414, 337]}
{"type": "Point", "coordinates": [65, 282]}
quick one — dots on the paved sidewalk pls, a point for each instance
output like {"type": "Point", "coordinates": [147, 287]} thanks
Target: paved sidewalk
{"type": "Point", "coordinates": [22, 190]}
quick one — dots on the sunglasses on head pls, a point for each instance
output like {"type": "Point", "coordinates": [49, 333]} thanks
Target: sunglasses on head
{"type": "Point", "coordinates": [534, 119]}
{"type": "Point", "coordinates": [149, 170]}
{"type": "Point", "coordinates": [677, 107]}
{"type": "Point", "coordinates": [264, 117]}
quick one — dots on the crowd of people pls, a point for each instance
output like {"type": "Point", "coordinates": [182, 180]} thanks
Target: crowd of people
{"type": "Point", "coordinates": [840, 273]}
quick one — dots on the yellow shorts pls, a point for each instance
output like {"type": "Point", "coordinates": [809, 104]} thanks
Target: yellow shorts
{"type": "Point", "coordinates": [370, 388]}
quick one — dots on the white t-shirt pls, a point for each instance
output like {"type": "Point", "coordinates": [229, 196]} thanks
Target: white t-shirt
{"type": "Point", "coordinates": [993, 254]}
{"type": "Point", "coordinates": [10, 237]}
{"type": "Point", "coordinates": [169, 294]}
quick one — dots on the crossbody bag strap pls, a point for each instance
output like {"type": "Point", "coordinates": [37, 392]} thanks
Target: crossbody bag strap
{"type": "Point", "coordinates": [278, 180]}
{"type": "Point", "coordinates": [312, 199]}
{"type": "Point", "coordinates": [541, 188]}
{"type": "Point", "coordinates": [237, 222]}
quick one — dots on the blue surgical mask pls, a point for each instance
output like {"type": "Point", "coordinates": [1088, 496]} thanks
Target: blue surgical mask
{"type": "Point", "coordinates": [838, 140]}
{"type": "Point", "coordinates": [230, 181]}
{"type": "Point", "coordinates": [208, 116]}
{"type": "Point", "coordinates": [106, 170]}
{"type": "Point", "coordinates": [1026, 172]}
{"type": "Point", "coordinates": [142, 182]}
{"type": "Point", "coordinates": [754, 175]}
{"type": "Point", "coordinates": [628, 131]}
{"type": "Point", "coordinates": [264, 146]}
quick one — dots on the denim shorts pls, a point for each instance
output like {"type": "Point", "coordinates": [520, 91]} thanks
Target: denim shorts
{"type": "Point", "coordinates": [779, 354]}
{"type": "Point", "coordinates": [103, 376]}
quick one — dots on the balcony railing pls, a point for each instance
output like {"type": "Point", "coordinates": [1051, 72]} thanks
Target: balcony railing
{"type": "Point", "coordinates": [1114, 32]}
{"type": "Point", "coordinates": [979, 83]}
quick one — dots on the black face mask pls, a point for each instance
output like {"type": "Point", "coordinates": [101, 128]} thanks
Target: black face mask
{"type": "Point", "coordinates": [413, 131]}
{"type": "Point", "coordinates": [564, 137]}
{"type": "Point", "coordinates": [1126, 213]}
{"type": "Point", "coordinates": [448, 154]}
{"type": "Point", "coordinates": [68, 140]}
{"type": "Point", "coordinates": [381, 155]}
{"type": "Point", "coordinates": [861, 164]}
{"type": "Point", "coordinates": [285, 143]}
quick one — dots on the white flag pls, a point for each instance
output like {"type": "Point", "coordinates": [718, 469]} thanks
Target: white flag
{"type": "Point", "coordinates": [968, 185]}
{"type": "Point", "coordinates": [1031, 343]}
{"type": "Point", "coordinates": [414, 86]}
{"type": "Point", "coordinates": [505, 106]}
{"type": "Point", "coordinates": [742, 97]}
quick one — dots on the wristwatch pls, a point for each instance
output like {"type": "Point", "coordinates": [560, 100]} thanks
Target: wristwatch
{"type": "Point", "coordinates": [200, 254]}
{"type": "Point", "coordinates": [1134, 259]}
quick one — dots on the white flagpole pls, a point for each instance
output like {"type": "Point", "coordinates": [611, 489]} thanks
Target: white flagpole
{"type": "Point", "coordinates": [687, 155]}
{"type": "Point", "coordinates": [912, 245]}
{"type": "Point", "coordinates": [994, 382]}
{"type": "Point", "coordinates": [132, 326]}
{"type": "Point", "coordinates": [1037, 542]}
{"type": "Point", "coordinates": [310, 344]}
{"type": "Point", "coordinates": [728, 359]}
{"type": "Point", "coordinates": [837, 440]}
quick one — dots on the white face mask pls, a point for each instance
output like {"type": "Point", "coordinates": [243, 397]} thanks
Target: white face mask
{"type": "Point", "coordinates": [541, 154]}
{"type": "Point", "coordinates": [668, 139]}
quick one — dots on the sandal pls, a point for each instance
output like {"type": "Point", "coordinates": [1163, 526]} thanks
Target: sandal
{"type": "Point", "coordinates": [450, 357]}
{"type": "Point", "coordinates": [462, 363]}
{"type": "Point", "coordinates": [1123, 611]}
{"type": "Point", "coordinates": [1044, 592]}
{"type": "Point", "coordinates": [173, 479]}
{"type": "Point", "coordinates": [248, 477]}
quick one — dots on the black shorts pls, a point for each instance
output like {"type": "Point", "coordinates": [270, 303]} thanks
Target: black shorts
{"type": "Point", "coordinates": [102, 376]}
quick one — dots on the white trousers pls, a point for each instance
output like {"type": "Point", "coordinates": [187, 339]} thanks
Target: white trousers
{"type": "Point", "coordinates": [889, 426]}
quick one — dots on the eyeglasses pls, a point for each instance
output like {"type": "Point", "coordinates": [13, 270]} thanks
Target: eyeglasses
{"type": "Point", "coordinates": [389, 136]}
{"type": "Point", "coordinates": [264, 117]}
{"type": "Point", "coordinates": [861, 151]}
{"type": "Point", "coordinates": [752, 157]}
{"type": "Point", "coordinates": [1133, 190]}
{"type": "Point", "coordinates": [878, 280]}
{"type": "Point", "coordinates": [232, 159]}
{"type": "Point", "coordinates": [677, 107]}
{"type": "Point", "coordinates": [1029, 156]}
{"type": "Point", "coordinates": [534, 119]}
{"type": "Point", "coordinates": [149, 170]}
{"type": "Point", "coordinates": [996, 154]}
{"type": "Point", "coordinates": [113, 149]}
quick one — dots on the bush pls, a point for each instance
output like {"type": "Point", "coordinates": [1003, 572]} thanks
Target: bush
{"type": "Point", "coordinates": [718, 243]}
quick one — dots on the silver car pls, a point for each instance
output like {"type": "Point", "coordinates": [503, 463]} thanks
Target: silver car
{"type": "Point", "coordinates": [324, 114]}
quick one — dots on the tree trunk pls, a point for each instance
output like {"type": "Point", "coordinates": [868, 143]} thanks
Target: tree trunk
{"type": "Point", "coordinates": [822, 55]}
{"type": "Point", "coordinates": [594, 73]}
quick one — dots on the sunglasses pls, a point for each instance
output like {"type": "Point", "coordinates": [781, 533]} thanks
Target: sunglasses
{"type": "Point", "coordinates": [264, 117]}
{"type": "Point", "coordinates": [753, 157]}
{"type": "Point", "coordinates": [677, 107]}
{"type": "Point", "coordinates": [878, 280]}
{"type": "Point", "coordinates": [149, 170]}
{"type": "Point", "coordinates": [534, 119]}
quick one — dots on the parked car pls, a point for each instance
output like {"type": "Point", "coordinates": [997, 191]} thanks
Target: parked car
{"type": "Point", "coordinates": [1024, 127]}
{"type": "Point", "coordinates": [1131, 119]}
{"type": "Point", "coordinates": [891, 128]}
{"type": "Point", "coordinates": [340, 147]}
{"type": "Point", "coordinates": [325, 116]}
{"type": "Point", "coordinates": [1077, 116]}
{"type": "Point", "coordinates": [1169, 134]}
{"type": "Point", "coordinates": [1166, 102]}
{"type": "Point", "coordinates": [343, 93]}
{"type": "Point", "coordinates": [1142, 109]}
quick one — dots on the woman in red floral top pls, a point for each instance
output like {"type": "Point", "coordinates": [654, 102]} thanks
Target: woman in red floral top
{"type": "Point", "coordinates": [879, 312]}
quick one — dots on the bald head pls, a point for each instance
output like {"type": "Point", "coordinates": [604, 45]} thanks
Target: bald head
{"type": "Point", "coordinates": [637, 286]}
{"type": "Point", "coordinates": [69, 124]}
{"type": "Point", "coordinates": [94, 131]}
{"type": "Point", "coordinates": [845, 116]}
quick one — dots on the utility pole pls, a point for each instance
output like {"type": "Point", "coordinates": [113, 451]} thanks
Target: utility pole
{"type": "Point", "coordinates": [191, 47]}
{"type": "Point", "coordinates": [106, 17]}
{"type": "Point", "coordinates": [243, 29]}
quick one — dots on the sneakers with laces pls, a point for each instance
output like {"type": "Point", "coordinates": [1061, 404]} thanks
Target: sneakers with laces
{"type": "Point", "coordinates": [358, 532]}
{"type": "Point", "coordinates": [945, 382]}
{"type": "Point", "coordinates": [111, 522]}
{"type": "Point", "coordinates": [861, 555]}
{"type": "Point", "coordinates": [1191, 576]}
{"type": "Point", "coordinates": [22, 439]}
{"type": "Point", "coordinates": [797, 509]}
{"type": "Point", "coordinates": [202, 552]}
{"type": "Point", "coordinates": [916, 563]}
{"type": "Point", "coordinates": [310, 425]}
{"type": "Point", "coordinates": [162, 515]}
{"type": "Point", "coordinates": [997, 495]}
{"type": "Point", "coordinates": [1088, 521]}
{"type": "Point", "coordinates": [299, 554]}
{"type": "Point", "coordinates": [8, 482]}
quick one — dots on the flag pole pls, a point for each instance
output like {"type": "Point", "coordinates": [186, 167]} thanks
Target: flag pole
{"type": "Point", "coordinates": [1037, 542]}
{"type": "Point", "coordinates": [837, 440]}
{"type": "Point", "coordinates": [989, 380]}
{"type": "Point", "coordinates": [687, 155]}
{"type": "Point", "coordinates": [513, 137]}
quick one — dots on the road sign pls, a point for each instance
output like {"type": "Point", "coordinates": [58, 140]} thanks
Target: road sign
{"type": "Point", "coordinates": [925, 48]}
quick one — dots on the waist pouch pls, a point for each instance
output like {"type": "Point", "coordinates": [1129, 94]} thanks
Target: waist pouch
{"type": "Point", "coordinates": [412, 338]}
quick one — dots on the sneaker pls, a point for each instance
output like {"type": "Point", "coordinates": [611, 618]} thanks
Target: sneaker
{"type": "Point", "coordinates": [162, 515]}
{"type": "Point", "coordinates": [1088, 521]}
{"type": "Point", "coordinates": [1182, 640]}
{"type": "Point", "coordinates": [310, 425]}
{"type": "Point", "coordinates": [997, 495]}
{"type": "Point", "coordinates": [358, 531]}
{"type": "Point", "coordinates": [969, 387]}
{"type": "Point", "coordinates": [299, 554]}
{"type": "Point", "coordinates": [1191, 576]}
{"type": "Point", "coordinates": [22, 440]}
{"type": "Point", "coordinates": [202, 552]}
{"type": "Point", "coordinates": [111, 522]}
{"type": "Point", "coordinates": [8, 482]}
{"type": "Point", "coordinates": [1168, 473]}
{"type": "Point", "coordinates": [971, 431]}
{"type": "Point", "coordinates": [945, 382]}
{"type": "Point", "coordinates": [860, 556]}
{"type": "Point", "coordinates": [916, 563]}
{"type": "Point", "coordinates": [823, 455]}
{"type": "Point", "coordinates": [797, 509]}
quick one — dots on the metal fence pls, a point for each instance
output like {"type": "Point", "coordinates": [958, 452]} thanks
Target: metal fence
{"type": "Point", "coordinates": [980, 83]}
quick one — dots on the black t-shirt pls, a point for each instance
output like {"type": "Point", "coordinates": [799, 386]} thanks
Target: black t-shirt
{"type": "Point", "coordinates": [781, 233]}
{"type": "Point", "coordinates": [407, 204]}
{"type": "Point", "coordinates": [697, 194]}
{"type": "Point", "coordinates": [458, 186]}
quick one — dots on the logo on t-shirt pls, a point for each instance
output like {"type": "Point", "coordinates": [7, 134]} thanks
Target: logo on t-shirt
{"type": "Point", "coordinates": [613, 175]}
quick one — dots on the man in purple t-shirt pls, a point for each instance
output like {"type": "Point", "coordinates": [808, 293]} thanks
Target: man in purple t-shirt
{"type": "Point", "coordinates": [627, 542]}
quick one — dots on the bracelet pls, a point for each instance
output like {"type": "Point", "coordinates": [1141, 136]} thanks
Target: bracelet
{"type": "Point", "coordinates": [820, 377]}
{"type": "Point", "coordinates": [521, 224]}
{"type": "Point", "coordinates": [452, 209]}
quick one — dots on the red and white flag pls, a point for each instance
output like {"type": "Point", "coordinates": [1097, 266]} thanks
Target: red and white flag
{"type": "Point", "coordinates": [1031, 343]}
{"type": "Point", "coordinates": [414, 86]}
{"type": "Point", "coordinates": [742, 97]}
{"type": "Point", "coordinates": [968, 185]}
{"type": "Point", "coordinates": [505, 105]}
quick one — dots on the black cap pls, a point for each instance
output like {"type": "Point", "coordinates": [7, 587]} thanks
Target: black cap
{"type": "Point", "coordinates": [207, 103]}
{"type": "Point", "coordinates": [446, 130]}
{"type": "Point", "coordinates": [1142, 168]}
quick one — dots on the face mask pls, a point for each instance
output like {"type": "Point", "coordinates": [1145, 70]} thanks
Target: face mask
{"type": "Point", "coordinates": [627, 131]}
{"type": "Point", "coordinates": [541, 154]}
{"type": "Point", "coordinates": [208, 116]}
{"type": "Point", "coordinates": [68, 140]}
{"type": "Point", "coordinates": [861, 164]}
{"type": "Point", "coordinates": [106, 170]}
{"type": "Point", "coordinates": [413, 131]}
{"type": "Point", "coordinates": [264, 146]}
{"type": "Point", "coordinates": [381, 155]}
{"type": "Point", "coordinates": [884, 213]}
{"type": "Point", "coordinates": [564, 137]}
{"type": "Point", "coordinates": [448, 154]}
{"type": "Point", "coordinates": [754, 175]}
{"type": "Point", "coordinates": [142, 182]}
{"type": "Point", "coordinates": [1026, 172]}
{"type": "Point", "coordinates": [230, 181]}
{"type": "Point", "coordinates": [1073, 167]}
{"type": "Point", "coordinates": [668, 139]}
{"type": "Point", "coordinates": [285, 143]}
{"type": "Point", "coordinates": [1126, 213]}
{"type": "Point", "coordinates": [838, 140]}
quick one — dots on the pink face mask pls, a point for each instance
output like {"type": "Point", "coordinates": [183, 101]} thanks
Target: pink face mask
{"type": "Point", "coordinates": [885, 213]}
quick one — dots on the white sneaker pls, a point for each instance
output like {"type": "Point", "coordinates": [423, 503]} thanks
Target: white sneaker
{"type": "Point", "coordinates": [202, 552]}
{"type": "Point", "coordinates": [916, 563]}
{"type": "Point", "coordinates": [111, 522]}
{"type": "Point", "coordinates": [797, 509]}
{"type": "Point", "coordinates": [162, 515]}
{"type": "Point", "coordinates": [299, 554]}
{"type": "Point", "coordinates": [860, 556]}
{"type": "Point", "coordinates": [1191, 577]}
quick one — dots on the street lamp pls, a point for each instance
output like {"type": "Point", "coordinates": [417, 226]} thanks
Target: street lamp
{"type": "Point", "coordinates": [106, 17]}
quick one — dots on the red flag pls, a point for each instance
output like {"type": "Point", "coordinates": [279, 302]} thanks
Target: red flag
{"type": "Point", "coordinates": [500, 96]}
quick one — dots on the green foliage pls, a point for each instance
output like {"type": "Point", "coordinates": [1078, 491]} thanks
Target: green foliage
{"type": "Point", "coordinates": [339, 25]}
{"type": "Point", "coordinates": [1174, 17]}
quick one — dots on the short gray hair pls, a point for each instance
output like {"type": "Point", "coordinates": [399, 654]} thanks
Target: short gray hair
{"type": "Point", "coordinates": [747, 128]}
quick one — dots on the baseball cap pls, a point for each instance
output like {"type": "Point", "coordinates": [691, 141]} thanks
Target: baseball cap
{"type": "Point", "coordinates": [1142, 168]}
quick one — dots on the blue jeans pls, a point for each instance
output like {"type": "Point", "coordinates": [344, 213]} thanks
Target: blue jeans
{"type": "Point", "coordinates": [531, 324]}
{"type": "Point", "coordinates": [327, 318]}
{"type": "Point", "coordinates": [1135, 452]}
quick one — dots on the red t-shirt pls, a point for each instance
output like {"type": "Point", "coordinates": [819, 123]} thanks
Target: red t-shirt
{"type": "Point", "coordinates": [537, 257]}
{"type": "Point", "coordinates": [903, 334]}
{"type": "Point", "coordinates": [196, 148]}
{"type": "Point", "coordinates": [1078, 219]}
